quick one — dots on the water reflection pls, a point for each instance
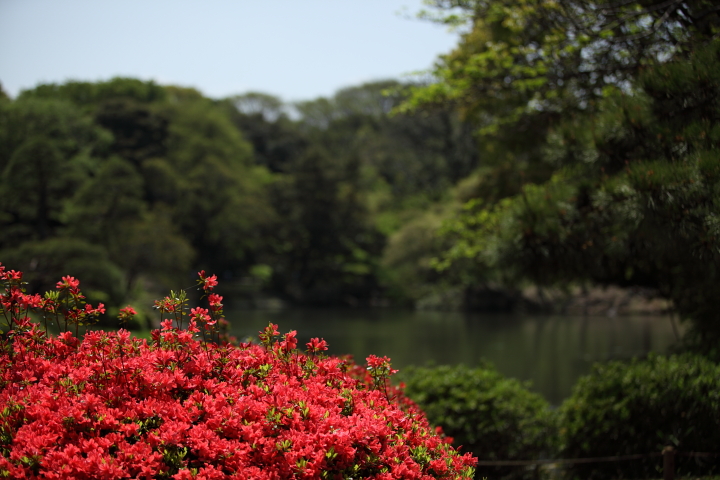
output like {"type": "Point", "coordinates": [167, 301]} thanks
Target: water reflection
{"type": "Point", "coordinates": [550, 351]}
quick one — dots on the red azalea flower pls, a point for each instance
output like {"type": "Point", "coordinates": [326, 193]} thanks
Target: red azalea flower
{"type": "Point", "coordinates": [68, 282]}
{"type": "Point", "coordinates": [167, 304]}
{"type": "Point", "coordinates": [316, 345]}
{"type": "Point", "coordinates": [200, 314]}
{"type": "Point", "coordinates": [14, 275]}
{"type": "Point", "coordinates": [379, 365]}
{"type": "Point", "coordinates": [31, 301]}
{"type": "Point", "coordinates": [290, 341]}
{"type": "Point", "coordinates": [208, 283]}
{"type": "Point", "coordinates": [377, 362]}
{"type": "Point", "coordinates": [215, 302]}
{"type": "Point", "coordinates": [89, 310]}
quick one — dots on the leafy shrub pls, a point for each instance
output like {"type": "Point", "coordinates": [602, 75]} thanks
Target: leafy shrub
{"type": "Point", "coordinates": [494, 417]}
{"type": "Point", "coordinates": [112, 406]}
{"type": "Point", "coordinates": [640, 407]}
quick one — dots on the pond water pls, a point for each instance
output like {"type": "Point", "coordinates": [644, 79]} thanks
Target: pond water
{"type": "Point", "coordinates": [549, 351]}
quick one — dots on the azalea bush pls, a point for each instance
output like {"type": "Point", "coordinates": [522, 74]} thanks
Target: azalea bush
{"type": "Point", "coordinates": [190, 403]}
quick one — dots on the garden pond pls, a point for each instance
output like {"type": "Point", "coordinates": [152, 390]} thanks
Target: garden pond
{"type": "Point", "coordinates": [551, 352]}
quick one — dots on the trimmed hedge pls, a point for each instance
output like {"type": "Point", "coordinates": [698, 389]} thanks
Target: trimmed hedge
{"type": "Point", "coordinates": [494, 417]}
{"type": "Point", "coordinates": [640, 407]}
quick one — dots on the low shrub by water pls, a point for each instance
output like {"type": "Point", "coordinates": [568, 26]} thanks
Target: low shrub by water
{"type": "Point", "coordinates": [494, 417]}
{"type": "Point", "coordinates": [640, 407]}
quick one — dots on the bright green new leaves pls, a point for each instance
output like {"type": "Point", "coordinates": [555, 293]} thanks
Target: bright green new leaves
{"type": "Point", "coordinates": [523, 57]}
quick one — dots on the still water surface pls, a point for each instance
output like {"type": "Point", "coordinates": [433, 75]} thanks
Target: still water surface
{"type": "Point", "coordinates": [549, 351]}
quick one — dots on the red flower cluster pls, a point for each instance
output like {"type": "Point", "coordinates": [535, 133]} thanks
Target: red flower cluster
{"type": "Point", "coordinates": [70, 283]}
{"type": "Point", "coordinates": [66, 305]}
{"type": "Point", "coordinates": [316, 345]}
{"type": "Point", "coordinates": [126, 314]}
{"type": "Point", "coordinates": [207, 282]}
{"type": "Point", "coordinates": [113, 406]}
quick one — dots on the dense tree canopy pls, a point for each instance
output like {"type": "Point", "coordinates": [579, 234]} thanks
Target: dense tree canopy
{"type": "Point", "coordinates": [151, 182]}
{"type": "Point", "coordinates": [157, 179]}
{"type": "Point", "coordinates": [520, 57]}
{"type": "Point", "coordinates": [620, 101]}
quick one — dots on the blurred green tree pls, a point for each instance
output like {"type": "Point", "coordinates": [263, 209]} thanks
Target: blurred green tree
{"type": "Point", "coordinates": [48, 150]}
{"type": "Point", "coordinates": [625, 96]}
{"type": "Point", "coordinates": [158, 177]}
{"type": "Point", "coordinates": [222, 204]}
{"type": "Point", "coordinates": [327, 243]}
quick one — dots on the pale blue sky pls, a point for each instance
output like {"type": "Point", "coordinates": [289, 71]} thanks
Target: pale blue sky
{"type": "Point", "coordinates": [296, 49]}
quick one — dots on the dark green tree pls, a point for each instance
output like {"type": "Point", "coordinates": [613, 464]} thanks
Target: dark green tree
{"type": "Point", "coordinates": [222, 205]}
{"type": "Point", "coordinates": [110, 211]}
{"type": "Point", "coordinates": [414, 154]}
{"type": "Point", "coordinates": [46, 154]}
{"type": "Point", "coordinates": [158, 177]}
{"type": "Point", "coordinates": [49, 150]}
{"type": "Point", "coordinates": [397, 166]}
{"type": "Point", "coordinates": [327, 245]}
{"type": "Point", "coordinates": [629, 135]}
{"type": "Point", "coordinates": [90, 94]}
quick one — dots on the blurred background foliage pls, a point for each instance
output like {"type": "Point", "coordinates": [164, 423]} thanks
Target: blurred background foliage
{"type": "Point", "coordinates": [132, 187]}
{"type": "Point", "coordinates": [641, 407]}
{"type": "Point", "coordinates": [598, 133]}
{"type": "Point", "coordinates": [560, 143]}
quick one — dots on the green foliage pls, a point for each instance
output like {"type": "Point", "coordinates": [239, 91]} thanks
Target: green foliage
{"type": "Point", "coordinates": [44, 261]}
{"type": "Point", "coordinates": [157, 180]}
{"type": "Point", "coordinates": [529, 57]}
{"type": "Point", "coordinates": [408, 262]}
{"type": "Point", "coordinates": [493, 417]}
{"type": "Point", "coordinates": [618, 183]}
{"type": "Point", "coordinates": [640, 407]}
{"type": "Point", "coordinates": [46, 152]}
{"type": "Point", "coordinates": [351, 175]}
{"type": "Point", "coordinates": [420, 154]}
{"type": "Point", "coordinates": [220, 199]}
{"type": "Point", "coordinates": [277, 141]}
{"type": "Point", "coordinates": [164, 180]}
{"type": "Point", "coordinates": [140, 130]}
{"type": "Point", "coordinates": [328, 245]}
{"type": "Point", "coordinates": [90, 94]}
{"type": "Point", "coordinates": [532, 76]}
{"type": "Point", "coordinates": [408, 256]}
